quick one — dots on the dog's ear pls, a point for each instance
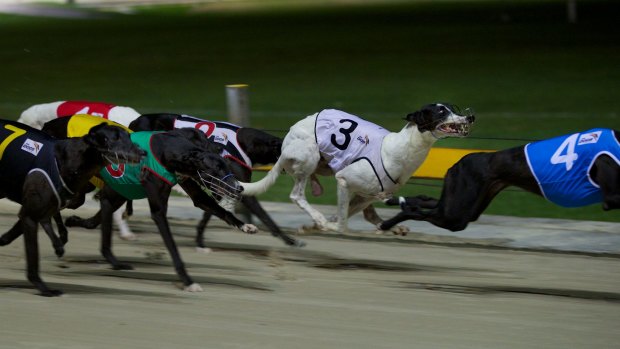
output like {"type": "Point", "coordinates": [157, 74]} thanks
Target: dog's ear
{"type": "Point", "coordinates": [98, 137]}
{"type": "Point", "coordinates": [417, 117]}
{"type": "Point", "coordinates": [423, 118]}
{"type": "Point", "coordinates": [213, 147]}
{"type": "Point", "coordinates": [185, 163]}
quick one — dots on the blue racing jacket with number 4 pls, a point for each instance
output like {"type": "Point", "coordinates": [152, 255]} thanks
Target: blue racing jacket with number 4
{"type": "Point", "coordinates": [561, 165]}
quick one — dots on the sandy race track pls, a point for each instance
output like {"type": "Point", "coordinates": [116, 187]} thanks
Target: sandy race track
{"type": "Point", "coordinates": [357, 291]}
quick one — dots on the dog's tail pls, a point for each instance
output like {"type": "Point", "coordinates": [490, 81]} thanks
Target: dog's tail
{"type": "Point", "coordinates": [255, 188]}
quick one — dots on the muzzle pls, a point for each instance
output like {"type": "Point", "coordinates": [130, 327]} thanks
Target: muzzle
{"type": "Point", "coordinates": [115, 157]}
{"type": "Point", "coordinates": [456, 125]}
{"type": "Point", "coordinates": [219, 186]}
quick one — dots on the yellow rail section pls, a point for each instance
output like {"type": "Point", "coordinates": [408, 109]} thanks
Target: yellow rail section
{"type": "Point", "coordinates": [436, 165]}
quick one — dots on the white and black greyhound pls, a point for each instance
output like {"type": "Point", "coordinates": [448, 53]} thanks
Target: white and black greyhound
{"type": "Point", "coordinates": [369, 162]}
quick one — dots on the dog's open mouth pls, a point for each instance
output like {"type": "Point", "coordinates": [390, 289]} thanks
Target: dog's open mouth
{"type": "Point", "coordinates": [456, 125]}
{"type": "Point", "coordinates": [219, 186]}
{"type": "Point", "coordinates": [455, 129]}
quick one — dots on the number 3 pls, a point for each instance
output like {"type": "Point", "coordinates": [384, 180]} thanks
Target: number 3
{"type": "Point", "coordinates": [570, 157]}
{"type": "Point", "coordinates": [347, 134]}
{"type": "Point", "coordinates": [16, 133]}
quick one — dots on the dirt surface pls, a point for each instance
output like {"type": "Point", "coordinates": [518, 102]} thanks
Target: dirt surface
{"type": "Point", "coordinates": [362, 290]}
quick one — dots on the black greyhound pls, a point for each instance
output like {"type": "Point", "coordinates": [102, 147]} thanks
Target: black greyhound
{"type": "Point", "coordinates": [472, 183]}
{"type": "Point", "coordinates": [45, 175]}
{"type": "Point", "coordinates": [244, 147]}
{"type": "Point", "coordinates": [184, 155]}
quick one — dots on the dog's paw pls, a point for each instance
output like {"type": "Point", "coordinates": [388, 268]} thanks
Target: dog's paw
{"type": "Point", "coordinates": [73, 221]}
{"type": "Point", "coordinates": [193, 288]}
{"type": "Point", "coordinates": [400, 230]}
{"type": "Point", "coordinates": [331, 226]}
{"type": "Point", "coordinates": [50, 293]}
{"type": "Point", "coordinates": [59, 251]}
{"type": "Point", "coordinates": [249, 229]}
{"type": "Point", "coordinates": [128, 236]}
{"type": "Point", "coordinates": [122, 266]}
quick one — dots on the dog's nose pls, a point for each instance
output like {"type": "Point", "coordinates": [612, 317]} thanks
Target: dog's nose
{"type": "Point", "coordinates": [471, 119]}
{"type": "Point", "coordinates": [240, 188]}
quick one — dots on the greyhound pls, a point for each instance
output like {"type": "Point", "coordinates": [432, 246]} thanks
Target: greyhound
{"type": "Point", "coordinates": [183, 156]}
{"type": "Point", "coordinates": [45, 175]}
{"type": "Point", "coordinates": [571, 171]}
{"type": "Point", "coordinates": [369, 162]}
{"type": "Point", "coordinates": [38, 114]}
{"type": "Point", "coordinates": [243, 147]}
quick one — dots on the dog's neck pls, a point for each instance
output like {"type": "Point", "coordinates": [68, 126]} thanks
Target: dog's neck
{"type": "Point", "coordinates": [77, 162]}
{"type": "Point", "coordinates": [406, 150]}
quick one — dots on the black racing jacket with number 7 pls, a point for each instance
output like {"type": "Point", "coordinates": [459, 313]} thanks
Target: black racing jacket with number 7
{"type": "Point", "coordinates": [24, 150]}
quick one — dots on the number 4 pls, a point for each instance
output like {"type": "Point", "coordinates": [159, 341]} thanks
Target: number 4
{"type": "Point", "coordinates": [570, 157]}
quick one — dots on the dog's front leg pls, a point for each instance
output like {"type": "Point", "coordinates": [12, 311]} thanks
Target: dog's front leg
{"type": "Point", "coordinates": [29, 228]}
{"type": "Point", "coordinates": [208, 204]}
{"type": "Point", "coordinates": [343, 206]}
{"type": "Point", "coordinates": [56, 242]}
{"type": "Point", "coordinates": [254, 206]}
{"type": "Point", "coordinates": [158, 193]}
{"type": "Point", "coordinates": [63, 233]}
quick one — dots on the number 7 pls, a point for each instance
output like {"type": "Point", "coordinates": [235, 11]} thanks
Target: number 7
{"type": "Point", "coordinates": [16, 133]}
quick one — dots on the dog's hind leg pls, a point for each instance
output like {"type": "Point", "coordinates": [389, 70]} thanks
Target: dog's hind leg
{"type": "Point", "coordinates": [606, 172]}
{"type": "Point", "coordinates": [421, 201]}
{"type": "Point", "coordinates": [29, 227]}
{"type": "Point", "coordinates": [63, 234]}
{"type": "Point", "coordinates": [11, 235]}
{"type": "Point", "coordinates": [86, 223]}
{"type": "Point", "coordinates": [110, 202]}
{"type": "Point", "coordinates": [56, 242]}
{"type": "Point", "coordinates": [124, 231]}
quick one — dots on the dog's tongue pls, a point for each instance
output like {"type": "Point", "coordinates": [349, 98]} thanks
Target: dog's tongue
{"type": "Point", "coordinates": [317, 189]}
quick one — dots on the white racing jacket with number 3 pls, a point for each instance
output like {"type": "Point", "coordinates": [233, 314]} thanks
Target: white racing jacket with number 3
{"type": "Point", "coordinates": [344, 139]}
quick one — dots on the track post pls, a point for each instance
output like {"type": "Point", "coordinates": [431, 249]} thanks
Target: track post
{"type": "Point", "coordinates": [238, 104]}
{"type": "Point", "coordinates": [239, 113]}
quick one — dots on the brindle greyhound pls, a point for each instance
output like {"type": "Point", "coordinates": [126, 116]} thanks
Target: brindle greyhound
{"type": "Point", "coordinates": [44, 175]}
